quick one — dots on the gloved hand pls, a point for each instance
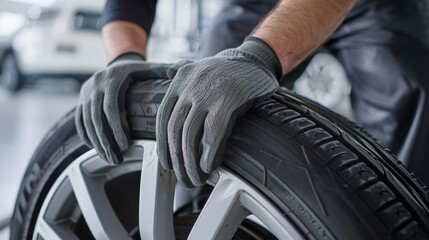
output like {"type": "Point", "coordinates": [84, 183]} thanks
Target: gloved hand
{"type": "Point", "coordinates": [204, 99]}
{"type": "Point", "coordinates": [100, 114]}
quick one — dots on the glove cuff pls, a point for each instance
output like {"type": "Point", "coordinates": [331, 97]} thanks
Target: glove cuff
{"type": "Point", "coordinates": [264, 52]}
{"type": "Point", "coordinates": [128, 56]}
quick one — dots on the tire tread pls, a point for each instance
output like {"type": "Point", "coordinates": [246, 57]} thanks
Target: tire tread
{"type": "Point", "coordinates": [361, 176]}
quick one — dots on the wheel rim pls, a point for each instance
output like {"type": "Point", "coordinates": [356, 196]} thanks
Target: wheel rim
{"type": "Point", "coordinates": [10, 73]}
{"type": "Point", "coordinates": [91, 199]}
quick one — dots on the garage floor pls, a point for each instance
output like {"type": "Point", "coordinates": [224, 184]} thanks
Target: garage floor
{"type": "Point", "coordinates": [24, 118]}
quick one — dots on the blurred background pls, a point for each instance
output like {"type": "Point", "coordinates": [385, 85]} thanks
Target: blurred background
{"type": "Point", "coordinates": [48, 48]}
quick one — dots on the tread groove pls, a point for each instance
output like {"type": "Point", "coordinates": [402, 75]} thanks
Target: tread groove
{"type": "Point", "coordinates": [402, 225]}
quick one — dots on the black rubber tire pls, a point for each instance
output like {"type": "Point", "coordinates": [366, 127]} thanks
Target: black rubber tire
{"type": "Point", "coordinates": [329, 178]}
{"type": "Point", "coordinates": [11, 76]}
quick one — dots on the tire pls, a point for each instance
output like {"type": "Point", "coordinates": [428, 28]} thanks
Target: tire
{"type": "Point", "coordinates": [11, 76]}
{"type": "Point", "coordinates": [322, 172]}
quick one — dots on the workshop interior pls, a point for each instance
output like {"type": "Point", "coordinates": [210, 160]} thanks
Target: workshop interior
{"type": "Point", "coordinates": [54, 187]}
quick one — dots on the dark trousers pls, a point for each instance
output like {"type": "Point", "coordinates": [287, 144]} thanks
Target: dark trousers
{"type": "Point", "coordinates": [384, 48]}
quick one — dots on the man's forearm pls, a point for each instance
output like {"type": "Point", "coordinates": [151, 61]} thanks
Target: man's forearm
{"type": "Point", "coordinates": [295, 28]}
{"type": "Point", "coordinates": [123, 36]}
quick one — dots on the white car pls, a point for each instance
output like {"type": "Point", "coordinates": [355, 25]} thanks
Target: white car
{"type": "Point", "coordinates": [62, 41]}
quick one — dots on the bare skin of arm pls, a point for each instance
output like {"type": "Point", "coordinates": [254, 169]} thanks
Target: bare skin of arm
{"type": "Point", "coordinates": [295, 28]}
{"type": "Point", "coordinates": [123, 36]}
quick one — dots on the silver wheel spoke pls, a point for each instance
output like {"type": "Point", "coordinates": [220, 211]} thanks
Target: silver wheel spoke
{"type": "Point", "coordinates": [95, 206]}
{"type": "Point", "coordinates": [222, 213]}
{"type": "Point", "coordinates": [230, 202]}
{"type": "Point", "coordinates": [156, 197]}
{"type": "Point", "coordinates": [46, 231]}
{"type": "Point", "coordinates": [269, 215]}
{"type": "Point", "coordinates": [84, 188]}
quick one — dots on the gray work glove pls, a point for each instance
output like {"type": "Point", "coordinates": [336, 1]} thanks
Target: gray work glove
{"type": "Point", "coordinates": [204, 99]}
{"type": "Point", "coordinates": [100, 114]}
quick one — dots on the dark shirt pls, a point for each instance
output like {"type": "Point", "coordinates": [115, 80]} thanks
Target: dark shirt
{"type": "Point", "coordinates": [369, 13]}
{"type": "Point", "coordinates": [141, 12]}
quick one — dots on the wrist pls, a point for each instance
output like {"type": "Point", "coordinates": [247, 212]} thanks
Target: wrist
{"type": "Point", "coordinates": [121, 36]}
{"type": "Point", "coordinates": [128, 56]}
{"type": "Point", "coordinates": [264, 52]}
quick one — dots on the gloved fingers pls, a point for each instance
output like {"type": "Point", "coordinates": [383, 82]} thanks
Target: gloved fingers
{"type": "Point", "coordinates": [113, 107]}
{"type": "Point", "coordinates": [113, 153]}
{"type": "Point", "coordinates": [90, 129]}
{"type": "Point", "coordinates": [80, 127]}
{"type": "Point", "coordinates": [172, 69]}
{"type": "Point", "coordinates": [192, 134]}
{"type": "Point", "coordinates": [182, 79]}
{"type": "Point", "coordinates": [162, 117]}
{"type": "Point", "coordinates": [174, 131]}
{"type": "Point", "coordinates": [110, 149]}
{"type": "Point", "coordinates": [216, 131]}
{"type": "Point", "coordinates": [181, 175]}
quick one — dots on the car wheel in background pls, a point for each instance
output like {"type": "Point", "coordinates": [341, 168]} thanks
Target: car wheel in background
{"type": "Point", "coordinates": [11, 77]}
